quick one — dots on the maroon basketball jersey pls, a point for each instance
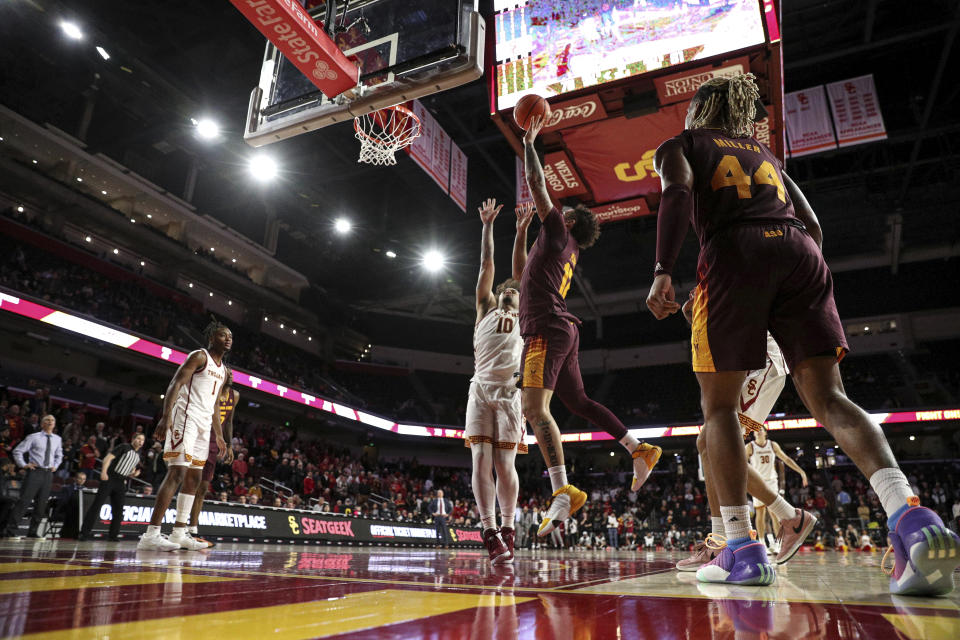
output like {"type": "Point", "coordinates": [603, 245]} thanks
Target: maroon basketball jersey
{"type": "Point", "coordinates": [736, 180]}
{"type": "Point", "coordinates": [547, 277]}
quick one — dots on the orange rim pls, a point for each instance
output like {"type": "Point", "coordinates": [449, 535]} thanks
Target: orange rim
{"type": "Point", "coordinates": [414, 129]}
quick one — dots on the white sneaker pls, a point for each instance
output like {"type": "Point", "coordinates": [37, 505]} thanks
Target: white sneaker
{"type": "Point", "coordinates": [182, 537]}
{"type": "Point", "coordinates": [156, 542]}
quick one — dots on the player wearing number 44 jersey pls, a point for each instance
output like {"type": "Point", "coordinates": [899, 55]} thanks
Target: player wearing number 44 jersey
{"type": "Point", "coordinates": [551, 337]}
{"type": "Point", "coordinates": [494, 429]}
{"type": "Point", "coordinates": [761, 268]}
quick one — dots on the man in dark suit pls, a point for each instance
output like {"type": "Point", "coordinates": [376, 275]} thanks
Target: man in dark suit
{"type": "Point", "coordinates": [440, 508]}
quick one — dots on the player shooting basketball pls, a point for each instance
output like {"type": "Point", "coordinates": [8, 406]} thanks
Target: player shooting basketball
{"type": "Point", "coordinates": [551, 340]}
{"type": "Point", "coordinates": [760, 269]}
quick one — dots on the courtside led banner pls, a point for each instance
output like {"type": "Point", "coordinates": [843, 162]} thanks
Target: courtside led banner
{"type": "Point", "coordinates": [11, 302]}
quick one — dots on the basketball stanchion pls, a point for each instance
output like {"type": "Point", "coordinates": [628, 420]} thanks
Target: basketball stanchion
{"type": "Point", "coordinates": [383, 133]}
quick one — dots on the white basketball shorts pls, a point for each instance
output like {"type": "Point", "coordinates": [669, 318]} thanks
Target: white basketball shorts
{"type": "Point", "coordinates": [494, 416]}
{"type": "Point", "coordinates": [772, 485]}
{"type": "Point", "coordinates": [187, 442]}
{"type": "Point", "coordinates": [758, 396]}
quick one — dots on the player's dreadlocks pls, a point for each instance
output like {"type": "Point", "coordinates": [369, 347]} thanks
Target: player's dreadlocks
{"type": "Point", "coordinates": [214, 326]}
{"type": "Point", "coordinates": [729, 102]}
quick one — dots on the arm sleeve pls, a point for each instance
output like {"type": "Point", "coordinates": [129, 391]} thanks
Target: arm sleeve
{"type": "Point", "coordinates": [673, 221]}
{"type": "Point", "coordinates": [20, 450]}
{"type": "Point", "coordinates": [555, 230]}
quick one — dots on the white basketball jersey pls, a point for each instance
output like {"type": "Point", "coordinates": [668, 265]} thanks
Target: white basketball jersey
{"type": "Point", "coordinates": [775, 356]}
{"type": "Point", "coordinates": [198, 398]}
{"type": "Point", "coordinates": [497, 347]}
{"type": "Point", "coordinates": [763, 460]}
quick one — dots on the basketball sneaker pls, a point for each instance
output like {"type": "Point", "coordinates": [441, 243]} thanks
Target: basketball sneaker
{"type": "Point", "coordinates": [925, 553]}
{"type": "Point", "coordinates": [750, 611]}
{"type": "Point", "coordinates": [703, 552]}
{"type": "Point", "coordinates": [645, 458]}
{"type": "Point", "coordinates": [567, 500]}
{"type": "Point", "coordinates": [156, 542]}
{"type": "Point", "coordinates": [495, 547]}
{"type": "Point", "coordinates": [747, 565]}
{"type": "Point", "coordinates": [509, 535]}
{"type": "Point", "coordinates": [184, 540]}
{"type": "Point", "coordinates": [792, 534]}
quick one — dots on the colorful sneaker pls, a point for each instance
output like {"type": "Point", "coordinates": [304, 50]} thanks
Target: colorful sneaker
{"type": "Point", "coordinates": [792, 534]}
{"type": "Point", "coordinates": [567, 500]}
{"type": "Point", "coordinates": [645, 458]}
{"type": "Point", "coordinates": [748, 565]}
{"type": "Point", "coordinates": [509, 535]}
{"type": "Point", "coordinates": [495, 547]}
{"type": "Point", "coordinates": [703, 552]}
{"type": "Point", "coordinates": [925, 553]}
{"type": "Point", "coordinates": [210, 543]}
{"type": "Point", "coordinates": [749, 610]}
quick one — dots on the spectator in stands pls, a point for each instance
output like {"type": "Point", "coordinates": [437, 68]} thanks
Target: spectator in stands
{"type": "Point", "coordinates": [10, 483]}
{"type": "Point", "coordinates": [121, 463]}
{"type": "Point", "coordinates": [240, 466]}
{"type": "Point", "coordinates": [223, 497]}
{"type": "Point", "coordinates": [15, 422]}
{"type": "Point", "coordinates": [154, 469]}
{"type": "Point", "coordinates": [41, 453]}
{"type": "Point", "coordinates": [253, 499]}
{"type": "Point", "coordinates": [6, 442]}
{"type": "Point", "coordinates": [101, 442]}
{"type": "Point", "coordinates": [32, 425]}
{"type": "Point", "coordinates": [89, 454]}
{"type": "Point", "coordinates": [241, 489]}
{"type": "Point", "coordinates": [253, 490]}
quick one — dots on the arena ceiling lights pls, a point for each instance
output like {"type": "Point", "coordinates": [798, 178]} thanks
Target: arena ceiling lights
{"type": "Point", "coordinates": [10, 303]}
{"type": "Point", "coordinates": [71, 30]}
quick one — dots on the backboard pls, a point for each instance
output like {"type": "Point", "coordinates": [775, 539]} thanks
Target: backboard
{"type": "Point", "coordinates": [405, 50]}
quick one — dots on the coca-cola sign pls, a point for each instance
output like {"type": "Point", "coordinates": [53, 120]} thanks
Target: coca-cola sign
{"type": "Point", "coordinates": [575, 112]}
{"type": "Point", "coordinates": [621, 210]}
{"type": "Point", "coordinates": [681, 86]}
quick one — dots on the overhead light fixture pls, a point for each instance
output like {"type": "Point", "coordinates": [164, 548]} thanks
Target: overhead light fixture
{"type": "Point", "coordinates": [142, 263]}
{"type": "Point", "coordinates": [294, 332]}
{"type": "Point", "coordinates": [116, 252]}
{"type": "Point", "coordinates": [266, 319]}
{"type": "Point", "coordinates": [234, 260]}
{"type": "Point", "coordinates": [133, 221]}
{"type": "Point", "coordinates": [207, 128]}
{"type": "Point", "coordinates": [263, 167]}
{"type": "Point", "coordinates": [281, 325]}
{"type": "Point", "coordinates": [342, 225]}
{"type": "Point", "coordinates": [190, 285]}
{"type": "Point", "coordinates": [79, 179]}
{"type": "Point", "coordinates": [34, 162]}
{"type": "Point", "coordinates": [211, 294]}
{"type": "Point", "coordinates": [433, 261]}
{"type": "Point", "coordinates": [912, 438]}
{"type": "Point", "coordinates": [391, 254]}
{"type": "Point", "coordinates": [88, 239]}
{"type": "Point", "coordinates": [212, 249]}
{"type": "Point", "coordinates": [150, 216]}
{"type": "Point", "coordinates": [230, 303]}
{"type": "Point", "coordinates": [103, 191]}
{"type": "Point", "coordinates": [20, 209]}
{"type": "Point", "coordinates": [103, 53]}
{"type": "Point", "coordinates": [71, 30]}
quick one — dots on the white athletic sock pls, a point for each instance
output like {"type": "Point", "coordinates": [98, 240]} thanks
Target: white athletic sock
{"type": "Point", "coordinates": [484, 489]}
{"type": "Point", "coordinates": [716, 526]}
{"type": "Point", "coordinates": [192, 530]}
{"type": "Point", "coordinates": [507, 518]}
{"type": "Point", "coordinates": [892, 488]}
{"type": "Point", "coordinates": [488, 522]}
{"type": "Point", "coordinates": [153, 530]}
{"type": "Point", "coordinates": [736, 521]}
{"type": "Point", "coordinates": [508, 485]}
{"type": "Point", "coordinates": [630, 442]}
{"type": "Point", "coordinates": [782, 509]}
{"type": "Point", "coordinates": [184, 506]}
{"type": "Point", "coordinates": [558, 477]}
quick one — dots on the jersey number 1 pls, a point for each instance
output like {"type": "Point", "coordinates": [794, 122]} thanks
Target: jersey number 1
{"type": "Point", "coordinates": [730, 173]}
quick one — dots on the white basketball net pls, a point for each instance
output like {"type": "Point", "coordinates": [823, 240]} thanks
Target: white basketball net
{"type": "Point", "coordinates": [383, 133]}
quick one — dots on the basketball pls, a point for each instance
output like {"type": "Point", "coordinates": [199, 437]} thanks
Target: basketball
{"type": "Point", "coordinates": [528, 107]}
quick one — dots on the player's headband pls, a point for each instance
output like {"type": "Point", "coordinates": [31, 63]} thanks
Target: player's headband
{"type": "Point", "coordinates": [705, 91]}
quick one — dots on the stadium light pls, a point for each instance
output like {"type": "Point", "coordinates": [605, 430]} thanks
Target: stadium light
{"type": "Point", "coordinates": [433, 261]}
{"type": "Point", "coordinates": [391, 254]}
{"type": "Point", "coordinates": [103, 53]}
{"type": "Point", "coordinates": [88, 239]}
{"type": "Point", "coordinates": [207, 128]}
{"type": "Point", "coordinates": [263, 167]}
{"type": "Point", "coordinates": [20, 209]}
{"type": "Point", "coordinates": [116, 252]}
{"type": "Point", "coordinates": [71, 30]}
{"type": "Point", "coordinates": [342, 226]}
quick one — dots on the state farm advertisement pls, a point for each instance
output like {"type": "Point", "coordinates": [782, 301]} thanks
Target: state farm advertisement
{"type": "Point", "coordinates": [248, 523]}
{"type": "Point", "coordinates": [615, 156]}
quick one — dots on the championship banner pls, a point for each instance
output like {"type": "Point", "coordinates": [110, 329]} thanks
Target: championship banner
{"type": "Point", "coordinates": [575, 112]}
{"type": "Point", "coordinates": [680, 87]}
{"type": "Point", "coordinates": [301, 41]}
{"type": "Point", "coordinates": [523, 191]}
{"type": "Point", "coordinates": [808, 122]}
{"type": "Point", "coordinates": [255, 523]}
{"type": "Point", "coordinates": [615, 156]}
{"type": "Point", "coordinates": [856, 111]}
{"type": "Point", "coordinates": [621, 210]}
{"type": "Point", "coordinates": [436, 154]}
{"type": "Point", "coordinates": [561, 176]}
{"type": "Point", "coordinates": [458, 176]}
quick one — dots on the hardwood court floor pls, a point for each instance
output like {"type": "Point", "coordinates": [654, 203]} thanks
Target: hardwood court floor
{"type": "Point", "coordinates": [90, 590]}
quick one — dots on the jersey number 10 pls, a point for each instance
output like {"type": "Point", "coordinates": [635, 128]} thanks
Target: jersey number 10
{"type": "Point", "coordinates": [730, 173]}
{"type": "Point", "coordinates": [504, 325]}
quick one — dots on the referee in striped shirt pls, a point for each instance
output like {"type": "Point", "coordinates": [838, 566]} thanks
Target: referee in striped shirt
{"type": "Point", "coordinates": [120, 464]}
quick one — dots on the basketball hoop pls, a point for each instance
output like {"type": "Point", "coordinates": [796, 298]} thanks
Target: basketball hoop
{"type": "Point", "coordinates": [383, 133]}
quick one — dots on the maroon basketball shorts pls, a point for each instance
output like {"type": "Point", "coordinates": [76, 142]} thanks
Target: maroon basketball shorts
{"type": "Point", "coordinates": [754, 278]}
{"type": "Point", "coordinates": [210, 468]}
{"type": "Point", "coordinates": [550, 357]}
